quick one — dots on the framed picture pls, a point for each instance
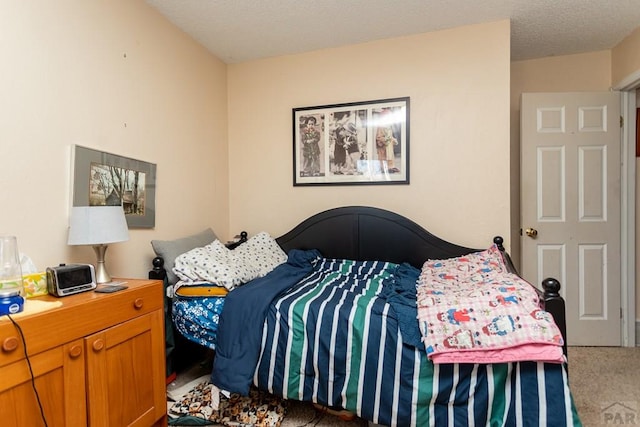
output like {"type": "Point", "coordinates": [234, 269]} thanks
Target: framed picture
{"type": "Point", "coordinates": [104, 179]}
{"type": "Point", "coordinates": [358, 143]}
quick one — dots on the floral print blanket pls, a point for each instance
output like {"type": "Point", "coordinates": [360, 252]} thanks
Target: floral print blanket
{"type": "Point", "coordinates": [258, 409]}
{"type": "Point", "coordinates": [472, 310]}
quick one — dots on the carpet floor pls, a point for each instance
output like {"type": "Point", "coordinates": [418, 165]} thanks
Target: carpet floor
{"type": "Point", "coordinates": [605, 384]}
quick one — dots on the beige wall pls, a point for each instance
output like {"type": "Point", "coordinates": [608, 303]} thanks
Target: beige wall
{"type": "Point", "coordinates": [115, 76]}
{"type": "Point", "coordinates": [458, 81]}
{"type": "Point", "coordinates": [569, 73]}
{"type": "Point", "coordinates": [626, 57]}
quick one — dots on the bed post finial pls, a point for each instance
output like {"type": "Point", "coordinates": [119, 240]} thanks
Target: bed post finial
{"type": "Point", "coordinates": [551, 287]}
{"type": "Point", "coordinates": [240, 239]}
{"type": "Point", "coordinates": [158, 272]}
{"type": "Point", "coordinates": [498, 240]}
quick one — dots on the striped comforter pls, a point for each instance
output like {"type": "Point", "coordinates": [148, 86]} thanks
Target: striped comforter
{"type": "Point", "coordinates": [332, 339]}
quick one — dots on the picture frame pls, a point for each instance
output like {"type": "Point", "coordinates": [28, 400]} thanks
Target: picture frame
{"type": "Point", "coordinates": [357, 143]}
{"type": "Point", "coordinates": [105, 179]}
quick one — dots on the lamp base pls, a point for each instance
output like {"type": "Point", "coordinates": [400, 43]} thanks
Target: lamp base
{"type": "Point", "coordinates": [101, 270]}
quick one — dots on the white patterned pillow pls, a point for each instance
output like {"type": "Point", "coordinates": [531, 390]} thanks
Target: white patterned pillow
{"type": "Point", "coordinates": [214, 263]}
{"type": "Point", "coordinates": [262, 253]}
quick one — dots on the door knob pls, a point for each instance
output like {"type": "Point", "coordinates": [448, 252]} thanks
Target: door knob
{"type": "Point", "coordinates": [531, 232]}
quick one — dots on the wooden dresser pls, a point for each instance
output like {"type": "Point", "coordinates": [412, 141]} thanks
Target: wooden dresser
{"type": "Point", "coordinates": [98, 360]}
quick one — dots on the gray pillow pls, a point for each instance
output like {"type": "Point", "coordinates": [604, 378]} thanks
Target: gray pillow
{"type": "Point", "coordinates": [169, 250]}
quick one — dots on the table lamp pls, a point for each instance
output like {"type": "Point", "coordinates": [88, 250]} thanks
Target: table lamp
{"type": "Point", "coordinates": [98, 226]}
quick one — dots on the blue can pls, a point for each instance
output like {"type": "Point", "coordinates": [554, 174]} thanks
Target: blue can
{"type": "Point", "coordinates": [10, 301]}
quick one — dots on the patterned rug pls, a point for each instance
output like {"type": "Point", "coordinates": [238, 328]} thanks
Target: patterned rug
{"type": "Point", "coordinates": [259, 409]}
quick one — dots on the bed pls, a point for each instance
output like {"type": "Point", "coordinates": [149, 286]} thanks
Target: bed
{"type": "Point", "coordinates": [350, 342]}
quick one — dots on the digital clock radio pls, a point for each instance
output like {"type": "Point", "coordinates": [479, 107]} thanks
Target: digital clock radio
{"type": "Point", "coordinates": [68, 279]}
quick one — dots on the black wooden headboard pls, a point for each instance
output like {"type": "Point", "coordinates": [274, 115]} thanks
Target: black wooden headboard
{"type": "Point", "coordinates": [367, 233]}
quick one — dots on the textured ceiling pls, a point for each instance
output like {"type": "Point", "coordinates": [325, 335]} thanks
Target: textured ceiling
{"type": "Point", "coordinates": [243, 30]}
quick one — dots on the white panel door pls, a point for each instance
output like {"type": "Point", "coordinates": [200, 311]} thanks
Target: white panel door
{"type": "Point", "coordinates": [570, 206]}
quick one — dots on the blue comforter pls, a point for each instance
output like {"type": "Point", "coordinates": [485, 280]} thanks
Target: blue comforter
{"type": "Point", "coordinates": [241, 321]}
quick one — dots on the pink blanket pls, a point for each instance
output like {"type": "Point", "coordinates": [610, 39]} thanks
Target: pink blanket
{"type": "Point", "coordinates": [472, 310]}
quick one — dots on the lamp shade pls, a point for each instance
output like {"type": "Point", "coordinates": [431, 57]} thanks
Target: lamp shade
{"type": "Point", "coordinates": [94, 225]}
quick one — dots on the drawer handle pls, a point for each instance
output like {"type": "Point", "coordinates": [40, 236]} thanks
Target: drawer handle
{"type": "Point", "coordinates": [75, 351]}
{"type": "Point", "coordinates": [98, 345]}
{"type": "Point", "coordinates": [10, 344]}
{"type": "Point", "coordinates": [138, 303]}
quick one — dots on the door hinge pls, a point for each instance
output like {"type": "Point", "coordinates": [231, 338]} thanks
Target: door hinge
{"type": "Point", "coordinates": [621, 121]}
